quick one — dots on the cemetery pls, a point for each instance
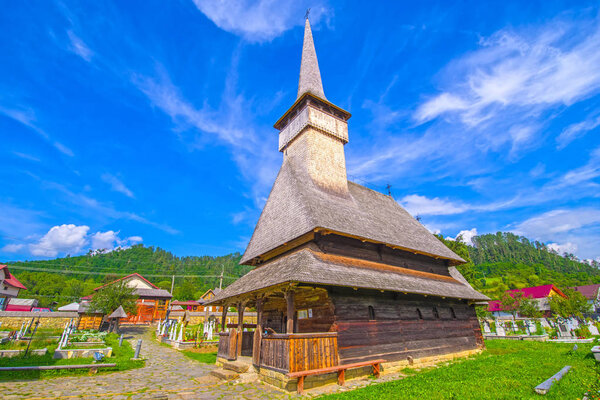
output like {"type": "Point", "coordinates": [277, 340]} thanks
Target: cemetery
{"type": "Point", "coordinates": [38, 352]}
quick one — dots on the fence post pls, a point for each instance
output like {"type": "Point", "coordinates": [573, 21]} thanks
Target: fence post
{"type": "Point", "coordinates": [138, 347]}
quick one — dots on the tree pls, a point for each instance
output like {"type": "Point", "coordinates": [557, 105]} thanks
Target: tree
{"type": "Point", "coordinates": [575, 305]}
{"type": "Point", "coordinates": [109, 298]}
{"type": "Point", "coordinates": [528, 308]}
{"type": "Point", "coordinates": [511, 302]}
{"type": "Point", "coordinates": [187, 291]}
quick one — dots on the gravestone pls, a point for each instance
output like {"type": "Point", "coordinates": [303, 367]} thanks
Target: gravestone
{"type": "Point", "coordinates": [545, 323]}
{"type": "Point", "coordinates": [500, 329]}
{"type": "Point", "coordinates": [593, 329]}
{"type": "Point", "coordinates": [514, 326]}
{"type": "Point", "coordinates": [530, 327]}
{"type": "Point", "coordinates": [486, 327]}
{"type": "Point", "coordinates": [563, 330]}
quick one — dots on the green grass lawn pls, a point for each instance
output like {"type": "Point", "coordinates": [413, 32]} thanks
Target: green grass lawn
{"type": "Point", "coordinates": [121, 356]}
{"type": "Point", "coordinates": [508, 369]}
{"type": "Point", "coordinates": [206, 358]}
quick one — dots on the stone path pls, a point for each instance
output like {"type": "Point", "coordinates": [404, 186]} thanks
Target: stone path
{"type": "Point", "coordinates": [167, 374]}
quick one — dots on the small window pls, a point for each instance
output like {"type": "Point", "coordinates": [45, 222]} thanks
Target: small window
{"type": "Point", "coordinates": [436, 314]}
{"type": "Point", "coordinates": [371, 313]}
{"type": "Point", "coordinates": [452, 312]}
{"type": "Point", "coordinates": [419, 314]}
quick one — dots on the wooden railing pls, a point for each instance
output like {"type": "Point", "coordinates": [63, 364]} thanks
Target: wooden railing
{"type": "Point", "coordinates": [299, 351]}
{"type": "Point", "coordinates": [226, 343]}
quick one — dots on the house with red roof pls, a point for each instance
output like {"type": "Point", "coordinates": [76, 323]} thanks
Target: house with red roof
{"type": "Point", "coordinates": [9, 286]}
{"type": "Point", "coordinates": [541, 295]}
{"type": "Point", "coordinates": [152, 301]}
{"type": "Point", "coordinates": [591, 293]}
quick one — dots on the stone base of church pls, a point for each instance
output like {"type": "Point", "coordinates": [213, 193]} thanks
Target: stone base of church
{"type": "Point", "coordinates": [280, 380]}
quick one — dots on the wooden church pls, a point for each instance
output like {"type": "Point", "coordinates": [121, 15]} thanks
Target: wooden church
{"type": "Point", "coordinates": [343, 276]}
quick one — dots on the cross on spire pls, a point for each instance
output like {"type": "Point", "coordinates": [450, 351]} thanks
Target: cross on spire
{"type": "Point", "coordinates": [307, 12]}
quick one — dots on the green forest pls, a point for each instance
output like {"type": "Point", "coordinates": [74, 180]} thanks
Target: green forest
{"type": "Point", "coordinates": [496, 263]}
{"type": "Point", "coordinates": [64, 280]}
{"type": "Point", "coordinates": [502, 261]}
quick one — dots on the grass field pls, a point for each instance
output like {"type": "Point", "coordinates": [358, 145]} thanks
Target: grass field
{"type": "Point", "coordinates": [507, 369]}
{"type": "Point", "coordinates": [206, 358]}
{"type": "Point", "coordinates": [121, 356]}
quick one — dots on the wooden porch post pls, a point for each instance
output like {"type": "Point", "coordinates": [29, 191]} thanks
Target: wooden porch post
{"type": "Point", "coordinates": [291, 311]}
{"type": "Point", "coordinates": [240, 327]}
{"type": "Point", "coordinates": [223, 317]}
{"type": "Point", "coordinates": [257, 333]}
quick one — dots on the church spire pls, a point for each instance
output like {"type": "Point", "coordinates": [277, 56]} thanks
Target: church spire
{"type": "Point", "coordinates": [310, 76]}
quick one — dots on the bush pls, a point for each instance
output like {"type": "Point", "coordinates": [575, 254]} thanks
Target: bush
{"type": "Point", "coordinates": [539, 330]}
{"type": "Point", "coordinates": [583, 331]}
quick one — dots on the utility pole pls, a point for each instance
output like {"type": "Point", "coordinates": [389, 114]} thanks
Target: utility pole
{"type": "Point", "coordinates": [221, 278]}
{"type": "Point", "coordinates": [172, 284]}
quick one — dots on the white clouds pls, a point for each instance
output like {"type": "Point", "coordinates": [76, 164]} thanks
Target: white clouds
{"type": "Point", "coordinates": [258, 21]}
{"type": "Point", "coordinates": [421, 205]}
{"type": "Point", "coordinates": [559, 221]}
{"type": "Point", "coordinates": [72, 239]}
{"type": "Point", "coordinates": [466, 236]}
{"type": "Point", "coordinates": [109, 240]}
{"type": "Point", "coordinates": [60, 239]}
{"type": "Point", "coordinates": [104, 240]}
{"type": "Point", "coordinates": [230, 124]}
{"type": "Point", "coordinates": [79, 47]}
{"type": "Point", "coordinates": [529, 69]}
{"type": "Point", "coordinates": [12, 248]}
{"type": "Point", "coordinates": [575, 131]}
{"type": "Point", "coordinates": [563, 248]}
{"type": "Point", "coordinates": [27, 117]}
{"type": "Point", "coordinates": [574, 230]}
{"type": "Point", "coordinates": [117, 185]}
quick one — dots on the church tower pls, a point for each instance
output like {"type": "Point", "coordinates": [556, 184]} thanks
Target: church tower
{"type": "Point", "coordinates": [313, 132]}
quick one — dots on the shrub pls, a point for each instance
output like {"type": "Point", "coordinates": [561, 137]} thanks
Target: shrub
{"type": "Point", "coordinates": [539, 330]}
{"type": "Point", "coordinates": [583, 331]}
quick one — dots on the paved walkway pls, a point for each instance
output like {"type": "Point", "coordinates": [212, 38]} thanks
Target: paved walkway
{"type": "Point", "coordinates": [167, 374]}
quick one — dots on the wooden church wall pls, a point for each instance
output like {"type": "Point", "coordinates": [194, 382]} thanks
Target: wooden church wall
{"type": "Point", "coordinates": [350, 247]}
{"type": "Point", "coordinates": [397, 330]}
{"type": "Point", "coordinates": [314, 311]}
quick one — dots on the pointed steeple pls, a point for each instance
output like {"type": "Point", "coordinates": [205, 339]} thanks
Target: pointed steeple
{"type": "Point", "coordinates": [310, 76]}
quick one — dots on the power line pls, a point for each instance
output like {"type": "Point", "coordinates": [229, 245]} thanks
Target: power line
{"type": "Point", "coordinates": [37, 269]}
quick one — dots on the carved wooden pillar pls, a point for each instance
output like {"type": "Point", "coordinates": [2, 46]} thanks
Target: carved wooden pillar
{"type": "Point", "coordinates": [240, 327]}
{"type": "Point", "coordinates": [223, 317]}
{"type": "Point", "coordinates": [291, 311]}
{"type": "Point", "coordinates": [257, 333]}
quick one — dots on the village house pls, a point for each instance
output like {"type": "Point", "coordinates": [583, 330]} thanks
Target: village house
{"type": "Point", "coordinates": [541, 295]}
{"type": "Point", "coordinates": [152, 302]}
{"type": "Point", "coordinates": [342, 274]}
{"type": "Point", "coordinates": [592, 294]}
{"type": "Point", "coordinates": [9, 286]}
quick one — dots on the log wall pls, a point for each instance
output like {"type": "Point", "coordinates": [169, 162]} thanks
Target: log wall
{"type": "Point", "coordinates": [349, 247]}
{"type": "Point", "coordinates": [403, 325]}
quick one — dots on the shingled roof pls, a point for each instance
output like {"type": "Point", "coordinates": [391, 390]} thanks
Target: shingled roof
{"type": "Point", "coordinates": [307, 265]}
{"type": "Point", "coordinates": [297, 205]}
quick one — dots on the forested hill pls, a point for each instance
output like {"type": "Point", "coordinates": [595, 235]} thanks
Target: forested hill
{"type": "Point", "coordinates": [503, 261]}
{"type": "Point", "coordinates": [498, 262]}
{"type": "Point", "coordinates": [64, 280]}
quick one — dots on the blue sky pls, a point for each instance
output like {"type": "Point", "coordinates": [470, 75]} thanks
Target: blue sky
{"type": "Point", "coordinates": [151, 121]}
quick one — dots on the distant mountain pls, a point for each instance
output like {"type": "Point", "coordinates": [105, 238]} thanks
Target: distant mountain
{"type": "Point", "coordinates": [503, 261]}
